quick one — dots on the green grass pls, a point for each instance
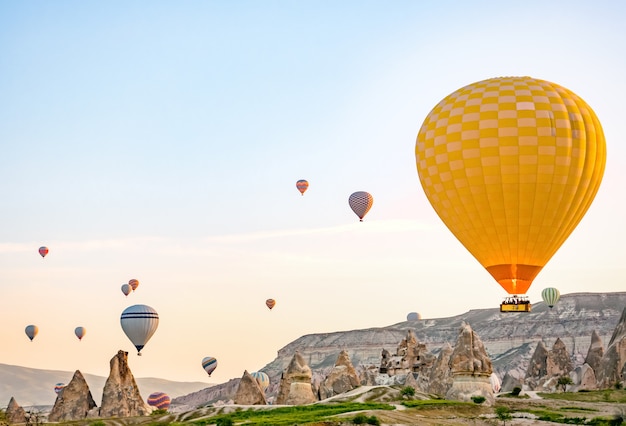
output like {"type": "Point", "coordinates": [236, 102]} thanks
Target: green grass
{"type": "Point", "coordinates": [430, 403]}
{"type": "Point", "coordinates": [607, 395]}
{"type": "Point", "coordinates": [298, 414]}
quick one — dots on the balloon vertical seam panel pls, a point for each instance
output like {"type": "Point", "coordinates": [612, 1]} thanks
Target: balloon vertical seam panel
{"type": "Point", "coordinates": [494, 161]}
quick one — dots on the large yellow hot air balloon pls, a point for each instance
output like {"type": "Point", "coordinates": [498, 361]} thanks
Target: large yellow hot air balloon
{"type": "Point", "coordinates": [511, 165]}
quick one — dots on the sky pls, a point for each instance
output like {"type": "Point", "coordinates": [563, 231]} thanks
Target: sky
{"type": "Point", "coordinates": [162, 141]}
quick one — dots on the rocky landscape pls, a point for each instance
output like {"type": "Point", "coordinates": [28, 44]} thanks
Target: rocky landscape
{"type": "Point", "coordinates": [458, 358]}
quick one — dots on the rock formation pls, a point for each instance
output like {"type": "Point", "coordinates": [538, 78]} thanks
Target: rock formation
{"type": "Point", "coordinates": [120, 396]}
{"type": "Point", "coordinates": [440, 379]}
{"type": "Point", "coordinates": [249, 392]}
{"type": "Point", "coordinates": [546, 366]}
{"type": "Point", "coordinates": [612, 368]}
{"type": "Point", "coordinates": [411, 357]}
{"type": "Point", "coordinates": [295, 383]}
{"type": "Point", "coordinates": [75, 402]}
{"type": "Point", "coordinates": [583, 377]}
{"type": "Point", "coordinates": [15, 413]}
{"type": "Point", "coordinates": [470, 367]}
{"type": "Point", "coordinates": [558, 362]}
{"type": "Point", "coordinates": [537, 367]}
{"type": "Point", "coordinates": [509, 382]}
{"type": "Point", "coordinates": [342, 378]}
{"type": "Point", "coordinates": [595, 352]}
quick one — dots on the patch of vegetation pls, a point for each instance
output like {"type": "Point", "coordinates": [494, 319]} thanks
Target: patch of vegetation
{"type": "Point", "coordinates": [430, 403]}
{"type": "Point", "coordinates": [297, 414]}
{"type": "Point", "coordinates": [578, 409]}
{"type": "Point", "coordinates": [563, 381]}
{"type": "Point", "coordinates": [607, 395]}
{"type": "Point", "coordinates": [158, 412]}
{"type": "Point", "coordinates": [361, 419]}
{"type": "Point", "coordinates": [98, 423]}
{"type": "Point", "coordinates": [504, 414]}
{"type": "Point", "coordinates": [516, 391]}
{"type": "Point", "coordinates": [478, 399]}
{"type": "Point", "coordinates": [407, 391]}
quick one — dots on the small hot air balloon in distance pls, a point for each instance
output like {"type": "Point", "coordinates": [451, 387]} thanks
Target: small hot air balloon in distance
{"type": "Point", "coordinates": [270, 303]}
{"type": "Point", "coordinates": [126, 289]}
{"type": "Point", "coordinates": [361, 202]}
{"type": "Point", "coordinates": [511, 166]}
{"type": "Point", "coordinates": [31, 331]}
{"type": "Point", "coordinates": [302, 186]}
{"type": "Point", "coordinates": [262, 379]}
{"type": "Point", "coordinates": [413, 316]}
{"type": "Point", "coordinates": [550, 295]}
{"type": "Point", "coordinates": [80, 332]}
{"type": "Point", "coordinates": [160, 400]}
{"type": "Point", "coordinates": [133, 284]}
{"type": "Point", "coordinates": [58, 388]}
{"type": "Point", "coordinates": [209, 364]}
{"type": "Point", "coordinates": [43, 251]}
{"type": "Point", "coordinates": [139, 323]}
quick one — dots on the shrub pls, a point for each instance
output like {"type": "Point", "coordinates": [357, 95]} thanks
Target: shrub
{"type": "Point", "coordinates": [224, 421]}
{"type": "Point", "coordinates": [618, 385]}
{"type": "Point", "coordinates": [158, 412]}
{"type": "Point", "coordinates": [516, 391]}
{"type": "Point", "coordinates": [407, 391]}
{"type": "Point", "coordinates": [478, 399]}
{"type": "Point", "coordinates": [361, 419]}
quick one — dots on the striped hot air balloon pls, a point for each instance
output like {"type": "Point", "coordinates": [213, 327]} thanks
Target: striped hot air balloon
{"type": "Point", "coordinates": [262, 379]}
{"type": "Point", "coordinates": [209, 364]}
{"type": "Point", "coordinates": [43, 251]}
{"type": "Point", "coordinates": [550, 295]}
{"type": "Point", "coordinates": [139, 323]}
{"type": "Point", "coordinates": [302, 186]}
{"type": "Point", "coordinates": [160, 400]}
{"type": "Point", "coordinates": [31, 331]}
{"type": "Point", "coordinates": [58, 388]}
{"type": "Point", "coordinates": [270, 303]}
{"type": "Point", "coordinates": [361, 202]}
{"type": "Point", "coordinates": [133, 284]}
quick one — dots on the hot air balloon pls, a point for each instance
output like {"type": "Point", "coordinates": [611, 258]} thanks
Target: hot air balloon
{"type": "Point", "coordinates": [126, 289]}
{"type": "Point", "coordinates": [160, 400]}
{"type": "Point", "coordinates": [413, 316]}
{"type": "Point", "coordinates": [209, 364]}
{"type": "Point", "coordinates": [302, 186]}
{"type": "Point", "coordinates": [31, 331]}
{"type": "Point", "coordinates": [360, 203]}
{"type": "Point", "coordinates": [511, 165]}
{"type": "Point", "coordinates": [59, 387]}
{"type": "Point", "coordinates": [262, 379]}
{"type": "Point", "coordinates": [139, 323]}
{"type": "Point", "coordinates": [43, 251]}
{"type": "Point", "coordinates": [270, 303]}
{"type": "Point", "coordinates": [550, 295]}
{"type": "Point", "coordinates": [133, 284]}
{"type": "Point", "coordinates": [80, 332]}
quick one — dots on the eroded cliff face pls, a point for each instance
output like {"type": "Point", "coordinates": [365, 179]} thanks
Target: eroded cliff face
{"type": "Point", "coordinates": [510, 339]}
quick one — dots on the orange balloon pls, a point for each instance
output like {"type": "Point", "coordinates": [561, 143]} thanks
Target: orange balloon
{"type": "Point", "coordinates": [511, 165]}
{"type": "Point", "coordinates": [270, 303]}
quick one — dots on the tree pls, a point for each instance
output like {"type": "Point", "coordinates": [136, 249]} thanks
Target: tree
{"type": "Point", "coordinates": [503, 414]}
{"type": "Point", "coordinates": [564, 381]}
{"type": "Point", "coordinates": [407, 391]}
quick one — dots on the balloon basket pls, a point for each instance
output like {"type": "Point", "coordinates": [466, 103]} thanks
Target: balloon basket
{"type": "Point", "coordinates": [515, 304]}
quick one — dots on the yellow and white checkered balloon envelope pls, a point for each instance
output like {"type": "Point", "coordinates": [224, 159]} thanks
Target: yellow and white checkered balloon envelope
{"type": "Point", "coordinates": [511, 165]}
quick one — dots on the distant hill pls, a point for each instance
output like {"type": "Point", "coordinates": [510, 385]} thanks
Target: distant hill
{"type": "Point", "coordinates": [32, 386]}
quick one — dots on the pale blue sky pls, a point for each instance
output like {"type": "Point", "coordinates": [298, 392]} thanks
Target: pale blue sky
{"type": "Point", "coordinates": [162, 141]}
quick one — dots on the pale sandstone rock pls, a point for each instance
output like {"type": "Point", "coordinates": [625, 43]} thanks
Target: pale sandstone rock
{"type": "Point", "coordinates": [249, 392]}
{"type": "Point", "coordinates": [15, 413]}
{"type": "Point", "coordinates": [120, 396]}
{"type": "Point", "coordinates": [74, 402]}
{"type": "Point", "coordinates": [342, 378]}
{"type": "Point", "coordinates": [295, 384]}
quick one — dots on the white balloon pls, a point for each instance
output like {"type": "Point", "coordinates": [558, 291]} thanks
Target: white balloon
{"type": "Point", "coordinates": [139, 322]}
